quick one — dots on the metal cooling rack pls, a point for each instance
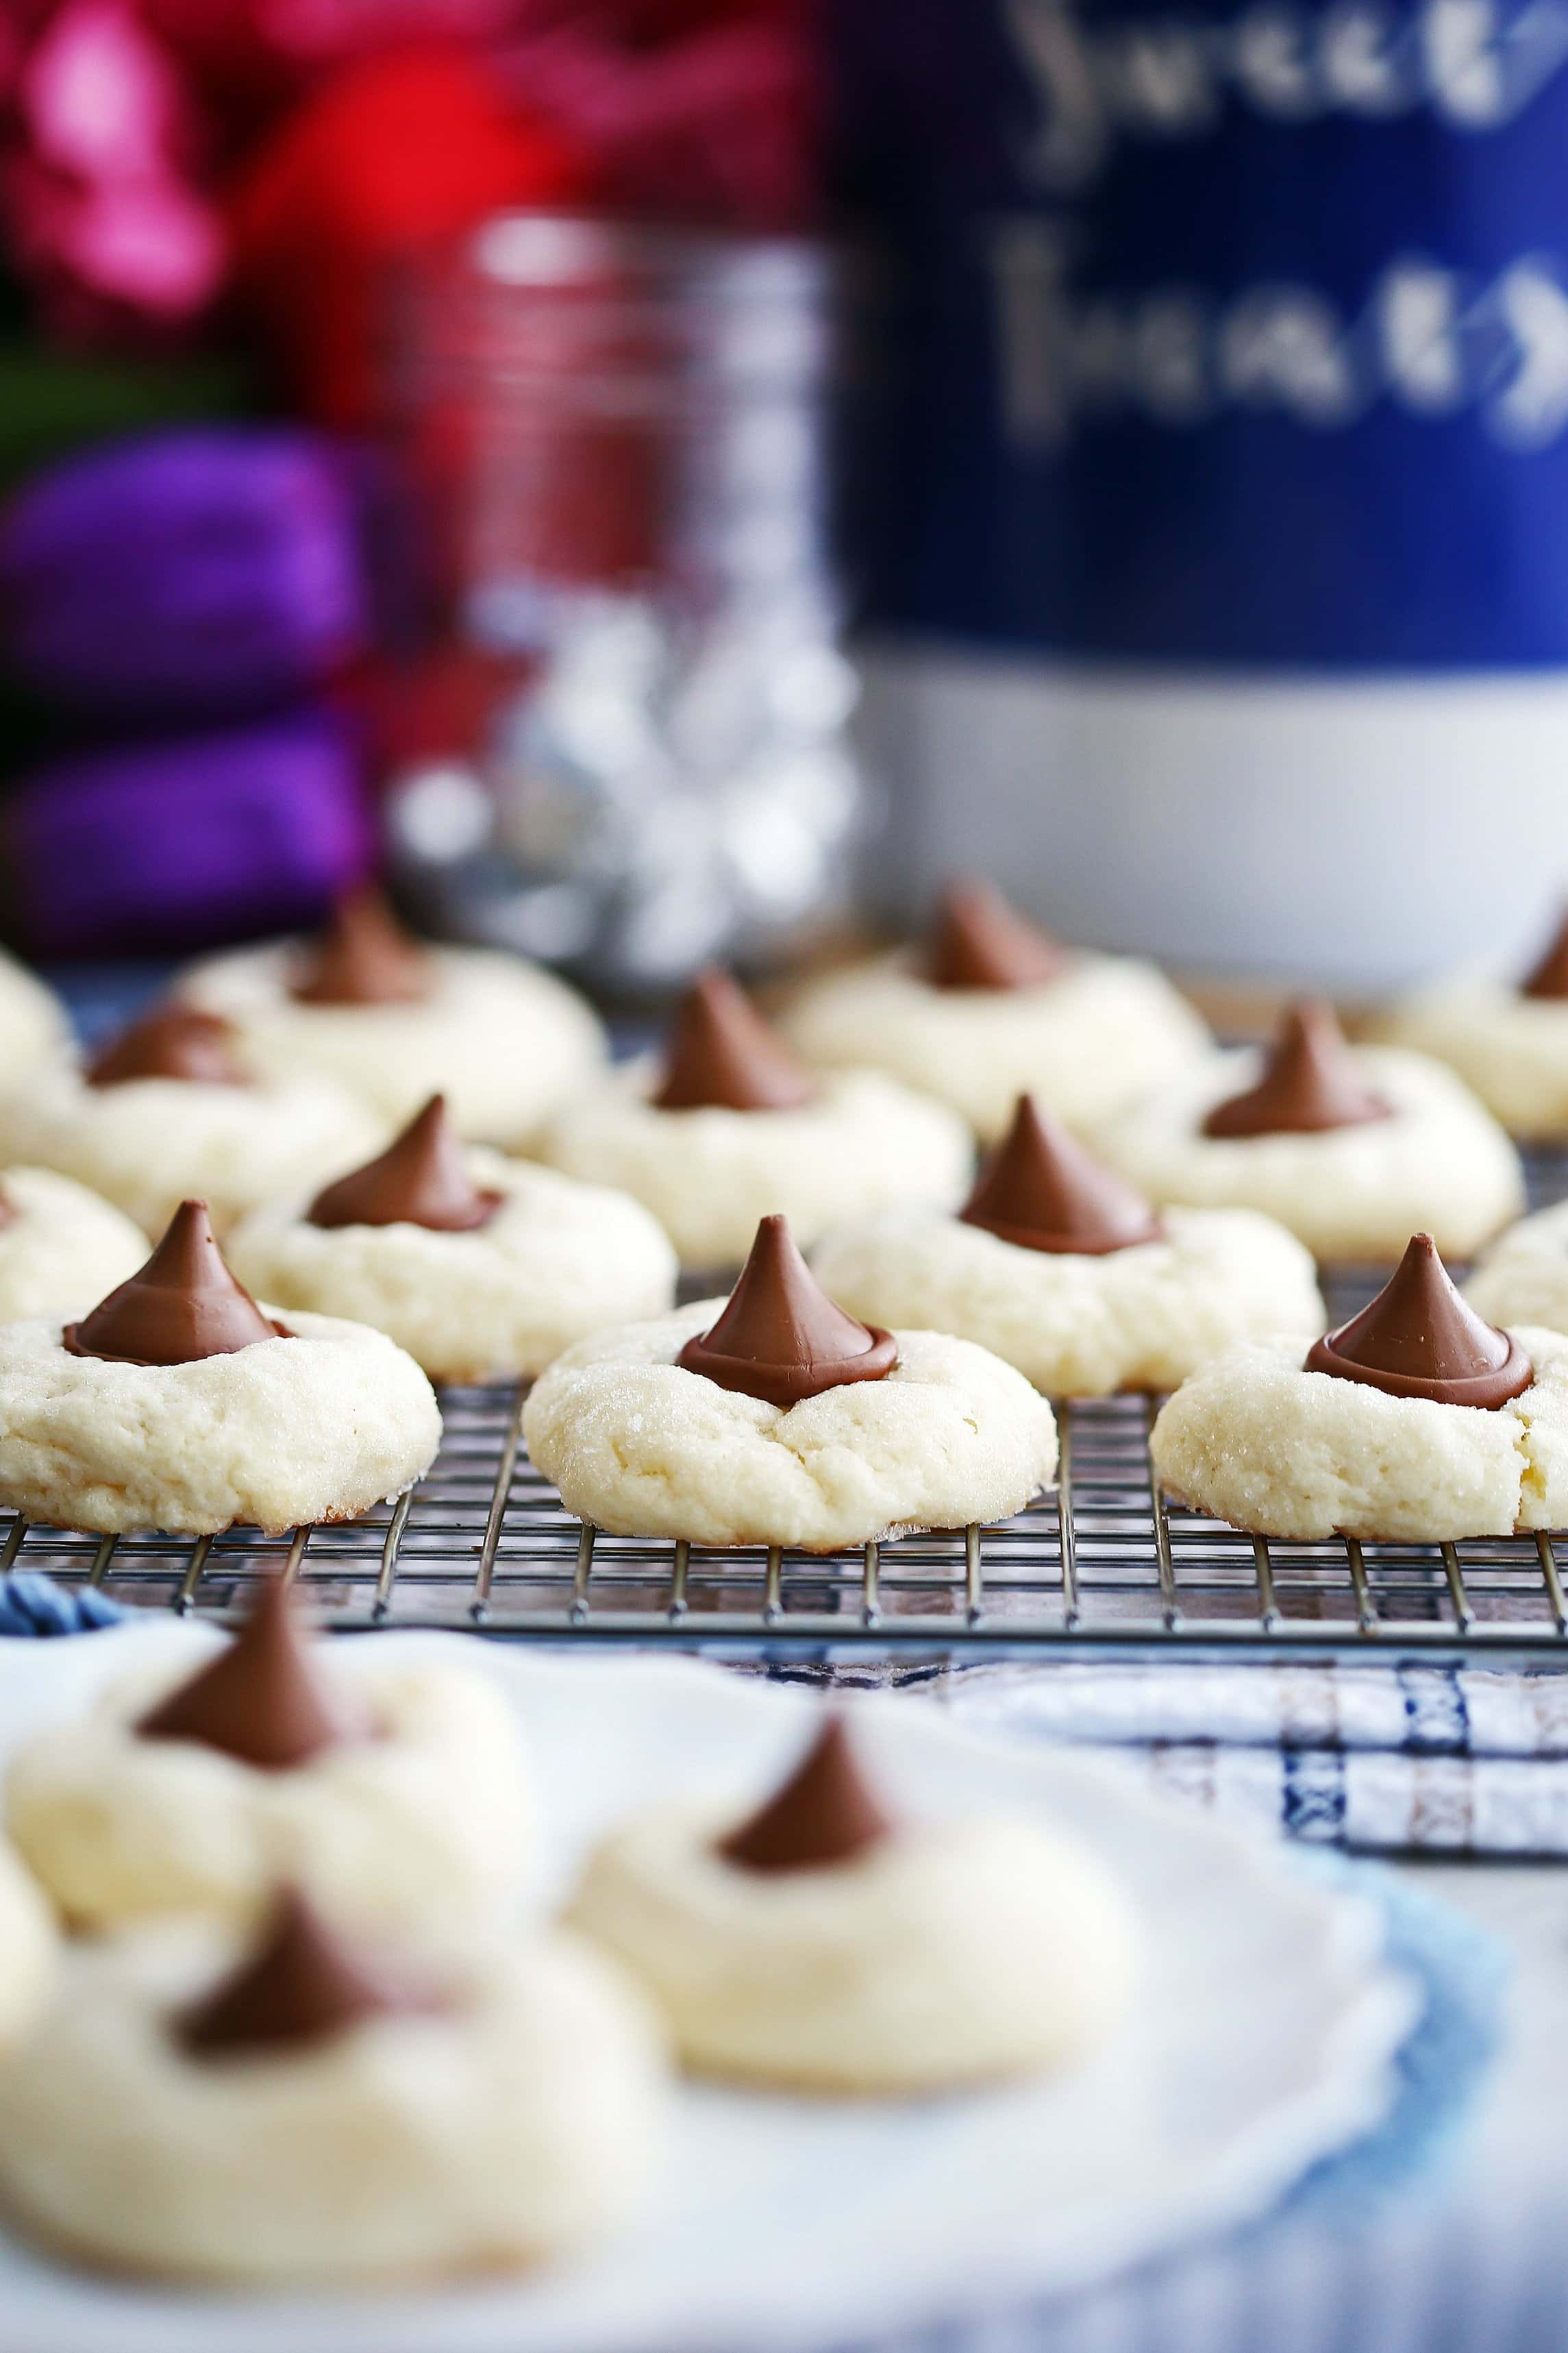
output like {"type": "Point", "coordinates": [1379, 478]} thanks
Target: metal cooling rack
{"type": "Point", "coordinates": [1104, 1563]}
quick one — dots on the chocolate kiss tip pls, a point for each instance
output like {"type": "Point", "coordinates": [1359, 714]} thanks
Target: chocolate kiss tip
{"type": "Point", "coordinates": [302, 1984]}
{"type": "Point", "coordinates": [721, 1052]}
{"type": "Point", "coordinates": [183, 1305]}
{"type": "Point", "coordinates": [1550, 976]}
{"type": "Point", "coordinates": [1040, 1190]}
{"type": "Point", "coordinates": [780, 1337]}
{"type": "Point", "coordinates": [1419, 1339]}
{"type": "Point", "coordinates": [365, 957]}
{"type": "Point", "coordinates": [825, 1814]}
{"type": "Point", "coordinates": [263, 1699]}
{"type": "Point", "coordinates": [980, 941]}
{"type": "Point", "coordinates": [421, 1179]}
{"type": "Point", "coordinates": [172, 1041]}
{"type": "Point", "coordinates": [1308, 1082]}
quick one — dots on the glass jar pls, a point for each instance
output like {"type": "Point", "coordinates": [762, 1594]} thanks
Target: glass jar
{"type": "Point", "coordinates": [620, 435]}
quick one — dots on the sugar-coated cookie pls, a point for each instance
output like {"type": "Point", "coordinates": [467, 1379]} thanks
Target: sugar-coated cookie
{"type": "Point", "coordinates": [481, 1267]}
{"type": "Point", "coordinates": [305, 2112]}
{"type": "Point", "coordinates": [1062, 1268]}
{"type": "Point", "coordinates": [727, 1127]}
{"type": "Point", "coordinates": [393, 1792]}
{"type": "Point", "coordinates": [33, 1024]}
{"type": "Point", "coordinates": [168, 1110]}
{"type": "Point", "coordinates": [61, 1247]}
{"type": "Point", "coordinates": [1523, 1277]}
{"type": "Point", "coordinates": [822, 1945]}
{"type": "Point", "coordinates": [1084, 1033]}
{"type": "Point", "coordinates": [30, 1949]}
{"type": "Point", "coordinates": [1474, 1444]}
{"type": "Point", "coordinates": [179, 1404]}
{"type": "Point", "coordinates": [800, 1426]}
{"type": "Point", "coordinates": [1417, 1151]}
{"type": "Point", "coordinates": [1509, 1044]}
{"type": "Point", "coordinates": [395, 1023]}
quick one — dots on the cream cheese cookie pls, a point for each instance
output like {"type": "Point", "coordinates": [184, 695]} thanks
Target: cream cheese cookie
{"type": "Point", "coordinates": [728, 1129]}
{"type": "Point", "coordinates": [393, 1793]}
{"type": "Point", "coordinates": [823, 1946]}
{"type": "Point", "coordinates": [1401, 1144]}
{"type": "Point", "coordinates": [481, 1268]}
{"type": "Point", "coordinates": [1509, 1044]}
{"type": "Point", "coordinates": [1058, 1268]}
{"type": "Point", "coordinates": [167, 1111]}
{"type": "Point", "coordinates": [978, 1021]}
{"type": "Point", "coordinates": [29, 1950]}
{"type": "Point", "coordinates": [179, 1404]}
{"type": "Point", "coordinates": [309, 2114]}
{"type": "Point", "coordinates": [1523, 1277]}
{"type": "Point", "coordinates": [33, 1024]}
{"type": "Point", "coordinates": [784, 1421]}
{"type": "Point", "coordinates": [503, 1039]}
{"type": "Point", "coordinates": [1430, 1426]}
{"type": "Point", "coordinates": [61, 1246]}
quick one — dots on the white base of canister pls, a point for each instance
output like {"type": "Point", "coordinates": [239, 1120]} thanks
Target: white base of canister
{"type": "Point", "coordinates": [1347, 832]}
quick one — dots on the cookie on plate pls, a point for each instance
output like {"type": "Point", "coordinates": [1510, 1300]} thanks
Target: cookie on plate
{"type": "Point", "coordinates": [774, 1417]}
{"type": "Point", "coordinates": [992, 1008]}
{"type": "Point", "coordinates": [30, 1949]}
{"type": "Point", "coordinates": [300, 2110]}
{"type": "Point", "coordinates": [1523, 1277]}
{"type": "Point", "coordinates": [393, 1790]}
{"type": "Point", "coordinates": [822, 1944]}
{"type": "Point", "coordinates": [179, 1403]}
{"type": "Point", "coordinates": [481, 1268]}
{"type": "Point", "coordinates": [1508, 1043]}
{"type": "Point", "coordinates": [729, 1128]}
{"type": "Point", "coordinates": [61, 1246]}
{"type": "Point", "coordinates": [1062, 1268]}
{"type": "Point", "coordinates": [1415, 1421]}
{"type": "Point", "coordinates": [33, 1024]}
{"type": "Point", "coordinates": [1350, 1148]}
{"type": "Point", "coordinates": [168, 1109]}
{"type": "Point", "coordinates": [395, 1022]}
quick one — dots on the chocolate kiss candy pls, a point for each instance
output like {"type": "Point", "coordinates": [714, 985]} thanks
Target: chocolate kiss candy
{"type": "Point", "coordinates": [301, 1986]}
{"type": "Point", "coordinates": [184, 1304]}
{"type": "Point", "coordinates": [172, 1041]}
{"type": "Point", "coordinates": [1419, 1339]}
{"type": "Point", "coordinates": [1042, 1191]}
{"type": "Point", "coordinates": [780, 1337]}
{"type": "Point", "coordinates": [980, 941]}
{"type": "Point", "coordinates": [421, 1179]}
{"type": "Point", "coordinates": [365, 957]}
{"type": "Point", "coordinates": [262, 1698]}
{"type": "Point", "coordinates": [722, 1051]}
{"type": "Point", "coordinates": [824, 1814]}
{"type": "Point", "coordinates": [1550, 977]}
{"type": "Point", "coordinates": [1309, 1083]}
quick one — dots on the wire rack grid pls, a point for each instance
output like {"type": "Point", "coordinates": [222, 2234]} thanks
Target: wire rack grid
{"type": "Point", "coordinates": [1106, 1562]}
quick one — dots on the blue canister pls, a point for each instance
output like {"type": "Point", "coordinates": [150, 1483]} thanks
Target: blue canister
{"type": "Point", "coordinates": [1222, 592]}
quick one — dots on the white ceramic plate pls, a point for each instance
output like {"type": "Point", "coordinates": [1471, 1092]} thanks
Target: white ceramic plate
{"type": "Point", "coordinates": [1263, 2042]}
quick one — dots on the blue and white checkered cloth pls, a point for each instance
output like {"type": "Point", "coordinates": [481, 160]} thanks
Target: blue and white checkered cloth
{"type": "Point", "coordinates": [1392, 1758]}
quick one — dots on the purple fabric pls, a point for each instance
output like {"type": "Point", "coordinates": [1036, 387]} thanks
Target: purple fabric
{"type": "Point", "coordinates": [164, 848]}
{"type": "Point", "coordinates": [195, 573]}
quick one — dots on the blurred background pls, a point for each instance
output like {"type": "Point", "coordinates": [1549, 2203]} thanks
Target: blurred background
{"type": "Point", "coordinates": [676, 479]}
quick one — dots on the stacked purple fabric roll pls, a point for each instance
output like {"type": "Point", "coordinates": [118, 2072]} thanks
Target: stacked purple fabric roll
{"type": "Point", "coordinates": [191, 593]}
